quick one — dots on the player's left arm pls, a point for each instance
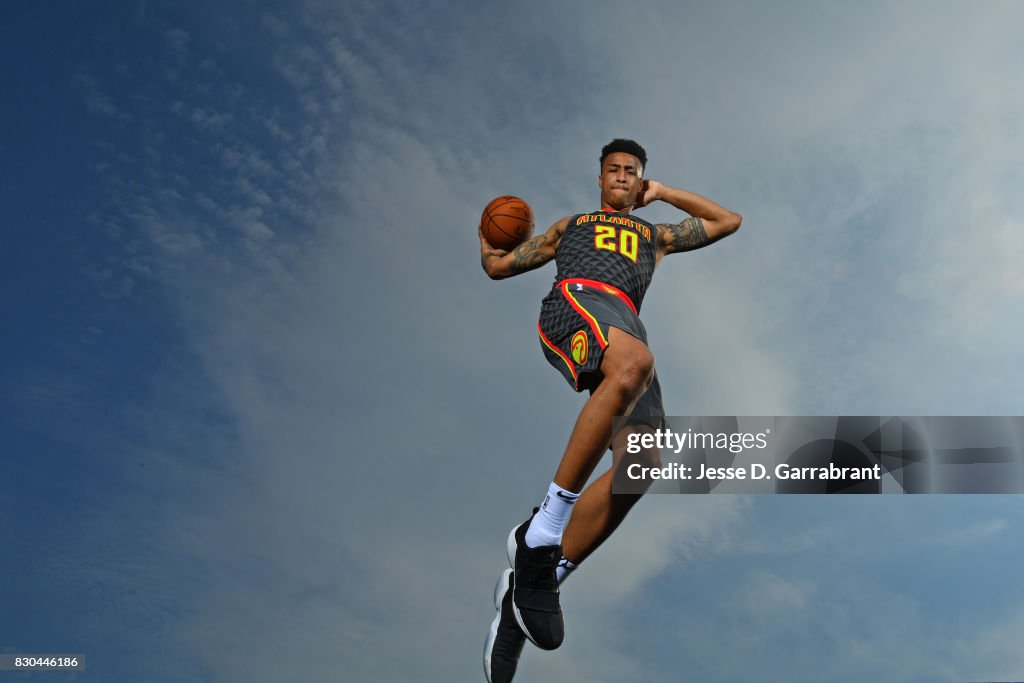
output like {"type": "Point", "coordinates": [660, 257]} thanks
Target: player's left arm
{"type": "Point", "coordinates": [709, 222]}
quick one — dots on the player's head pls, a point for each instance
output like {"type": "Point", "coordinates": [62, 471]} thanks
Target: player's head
{"type": "Point", "coordinates": [622, 170]}
{"type": "Point", "coordinates": [631, 147]}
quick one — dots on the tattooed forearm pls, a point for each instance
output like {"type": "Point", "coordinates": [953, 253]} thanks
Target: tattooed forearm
{"type": "Point", "coordinates": [689, 234]}
{"type": "Point", "coordinates": [527, 256]}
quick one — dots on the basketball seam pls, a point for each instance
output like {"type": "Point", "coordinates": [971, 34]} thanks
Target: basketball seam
{"type": "Point", "coordinates": [498, 227]}
{"type": "Point", "coordinates": [489, 211]}
{"type": "Point", "coordinates": [508, 199]}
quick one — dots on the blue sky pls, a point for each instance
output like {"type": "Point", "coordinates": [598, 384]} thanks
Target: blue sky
{"type": "Point", "coordinates": [264, 417]}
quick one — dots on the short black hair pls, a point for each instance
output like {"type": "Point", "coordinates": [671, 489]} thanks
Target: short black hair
{"type": "Point", "coordinates": [627, 146]}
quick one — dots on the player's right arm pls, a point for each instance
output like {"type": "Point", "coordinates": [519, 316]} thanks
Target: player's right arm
{"type": "Point", "coordinates": [533, 253]}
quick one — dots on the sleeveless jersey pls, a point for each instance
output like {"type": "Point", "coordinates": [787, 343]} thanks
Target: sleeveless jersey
{"type": "Point", "coordinates": [617, 249]}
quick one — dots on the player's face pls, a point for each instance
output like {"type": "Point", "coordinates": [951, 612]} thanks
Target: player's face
{"type": "Point", "coordinates": [620, 180]}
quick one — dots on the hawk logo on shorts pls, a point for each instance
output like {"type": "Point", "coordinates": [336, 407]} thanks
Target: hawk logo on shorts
{"type": "Point", "coordinates": [579, 347]}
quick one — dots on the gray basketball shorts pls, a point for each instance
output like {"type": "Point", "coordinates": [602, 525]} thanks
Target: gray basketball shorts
{"type": "Point", "coordinates": [575, 320]}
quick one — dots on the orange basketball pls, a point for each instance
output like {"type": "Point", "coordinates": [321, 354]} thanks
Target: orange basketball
{"type": "Point", "coordinates": [507, 222]}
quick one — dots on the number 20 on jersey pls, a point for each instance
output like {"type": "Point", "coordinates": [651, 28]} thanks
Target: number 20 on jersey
{"type": "Point", "coordinates": [610, 238]}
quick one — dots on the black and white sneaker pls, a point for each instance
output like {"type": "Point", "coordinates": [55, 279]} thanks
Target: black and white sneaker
{"type": "Point", "coordinates": [535, 589]}
{"type": "Point", "coordinates": [505, 640]}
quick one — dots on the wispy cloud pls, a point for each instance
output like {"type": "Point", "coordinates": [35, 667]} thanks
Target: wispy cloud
{"type": "Point", "coordinates": [96, 101]}
{"type": "Point", "coordinates": [976, 533]}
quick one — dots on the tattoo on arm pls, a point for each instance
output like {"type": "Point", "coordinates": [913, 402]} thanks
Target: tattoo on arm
{"type": "Point", "coordinates": [526, 255]}
{"type": "Point", "coordinates": [685, 236]}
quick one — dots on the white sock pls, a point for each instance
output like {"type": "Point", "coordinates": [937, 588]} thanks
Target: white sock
{"type": "Point", "coordinates": [564, 568]}
{"type": "Point", "coordinates": [549, 522]}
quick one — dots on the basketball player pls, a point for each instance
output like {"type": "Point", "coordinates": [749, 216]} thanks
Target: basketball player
{"type": "Point", "coordinates": [590, 332]}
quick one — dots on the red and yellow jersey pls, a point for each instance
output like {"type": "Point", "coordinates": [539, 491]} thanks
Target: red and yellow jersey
{"type": "Point", "coordinates": [617, 249]}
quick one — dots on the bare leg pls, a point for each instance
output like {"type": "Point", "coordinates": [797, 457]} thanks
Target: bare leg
{"type": "Point", "coordinates": [596, 515]}
{"type": "Point", "coordinates": [628, 369]}
{"type": "Point", "coordinates": [598, 512]}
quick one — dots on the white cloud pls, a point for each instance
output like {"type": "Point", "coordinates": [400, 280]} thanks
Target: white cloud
{"type": "Point", "coordinates": [976, 533]}
{"type": "Point", "coordinates": [993, 653]}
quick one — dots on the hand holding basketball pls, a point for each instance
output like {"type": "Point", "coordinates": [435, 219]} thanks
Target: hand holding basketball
{"type": "Point", "coordinates": [507, 222]}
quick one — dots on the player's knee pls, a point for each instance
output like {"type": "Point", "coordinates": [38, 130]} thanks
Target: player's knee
{"type": "Point", "coordinates": [628, 368]}
{"type": "Point", "coordinates": [630, 385]}
{"type": "Point", "coordinates": [648, 457]}
{"type": "Point", "coordinates": [637, 373]}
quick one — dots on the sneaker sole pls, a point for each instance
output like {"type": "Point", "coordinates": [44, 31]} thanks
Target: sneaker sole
{"type": "Point", "coordinates": [510, 547]}
{"type": "Point", "coordinates": [499, 593]}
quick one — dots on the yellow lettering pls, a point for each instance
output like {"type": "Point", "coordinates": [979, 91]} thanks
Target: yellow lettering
{"type": "Point", "coordinates": [628, 244]}
{"type": "Point", "coordinates": [603, 236]}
